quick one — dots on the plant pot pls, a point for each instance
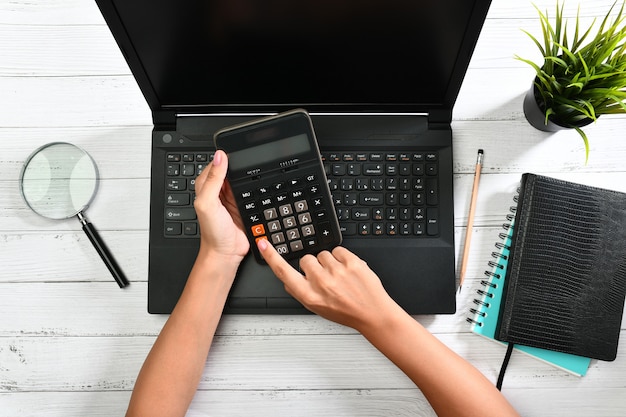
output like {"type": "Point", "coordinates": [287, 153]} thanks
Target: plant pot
{"type": "Point", "coordinates": [537, 118]}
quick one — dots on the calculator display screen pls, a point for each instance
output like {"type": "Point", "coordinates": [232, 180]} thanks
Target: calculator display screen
{"type": "Point", "coordinates": [271, 151]}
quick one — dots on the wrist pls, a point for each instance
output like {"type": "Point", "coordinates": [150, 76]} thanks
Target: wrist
{"type": "Point", "coordinates": [384, 323]}
{"type": "Point", "coordinates": [220, 262]}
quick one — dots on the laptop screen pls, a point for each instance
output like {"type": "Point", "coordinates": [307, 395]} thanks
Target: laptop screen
{"type": "Point", "coordinates": [319, 54]}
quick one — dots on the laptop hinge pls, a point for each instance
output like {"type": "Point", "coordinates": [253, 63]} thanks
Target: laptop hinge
{"type": "Point", "coordinates": [164, 119]}
{"type": "Point", "coordinates": [439, 118]}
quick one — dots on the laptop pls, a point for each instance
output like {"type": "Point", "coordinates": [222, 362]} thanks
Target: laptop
{"type": "Point", "coordinates": [379, 80]}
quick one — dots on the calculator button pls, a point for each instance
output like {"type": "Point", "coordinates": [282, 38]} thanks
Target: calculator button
{"type": "Point", "coordinates": [320, 215]}
{"type": "Point", "coordinates": [278, 238]}
{"type": "Point", "coordinates": [258, 230]}
{"type": "Point", "coordinates": [301, 206]}
{"type": "Point", "coordinates": [294, 182]}
{"type": "Point", "coordinates": [311, 177]}
{"type": "Point", "coordinates": [325, 232]}
{"type": "Point", "coordinates": [282, 249]}
{"type": "Point", "coordinates": [304, 218]}
{"type": "Point", "coordinates": [270, 214]}
{"type": "Point", "coordinates": [285, 210]}
{"type": "Point", "coordinates": [250, 205]}
{"type": "Point", "coordinates": [273, 226]}
{"type": "Point", "coordinates": [314, 189]}
{"type": "Point", "coordinates": [308, 230]}
{"type": "Point", "coordinates": [296, 245]}
{"type": "Point", "coordinates": [289, 222]}
{"type": "Point", "coordinates": [246, 194]}
{"type": "Point", "coordinates": [318, 202]}
{"type": "Point", "coordinates": [293, 234]}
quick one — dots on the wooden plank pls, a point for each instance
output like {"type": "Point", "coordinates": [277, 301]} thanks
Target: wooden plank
{"type": "Point", "coordinates": [319, 361]}
{"type": "Point", "coordinates": [113, 101]}
{"type": "Point", "coordinates": [69, 51]}
{"type": "Point", "coordinates": [546, 402]}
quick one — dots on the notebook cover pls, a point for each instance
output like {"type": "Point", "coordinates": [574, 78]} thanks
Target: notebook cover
{"type": "Point", "coordinates": [485, 317]}
{"type": "Point", "coordinates": [566, 277]}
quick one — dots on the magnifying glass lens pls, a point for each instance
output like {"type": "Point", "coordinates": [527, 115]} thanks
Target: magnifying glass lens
{"type": "Point", "coordinates": [59, 181]}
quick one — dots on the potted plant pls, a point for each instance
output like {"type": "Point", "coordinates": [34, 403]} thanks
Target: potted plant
{"type": "Point", "coordinates": [577, 82]}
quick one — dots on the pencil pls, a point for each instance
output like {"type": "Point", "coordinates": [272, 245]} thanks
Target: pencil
{"type": "Point", "coordinates": [470, 217]}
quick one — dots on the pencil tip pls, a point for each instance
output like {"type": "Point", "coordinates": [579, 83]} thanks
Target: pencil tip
{"type": "Point", "coordinates": [460, 286]}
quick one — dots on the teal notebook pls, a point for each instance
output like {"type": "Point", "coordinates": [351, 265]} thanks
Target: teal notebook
{"type": "Point", "coordinates": [485, 315]}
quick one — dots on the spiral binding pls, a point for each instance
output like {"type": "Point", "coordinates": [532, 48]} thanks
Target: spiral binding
{"type": "Point", "coordinates": [494, 271]}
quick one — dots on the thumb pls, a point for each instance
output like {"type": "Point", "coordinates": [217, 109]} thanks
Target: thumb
{"type": "Point", "coordinates": [210, 181]}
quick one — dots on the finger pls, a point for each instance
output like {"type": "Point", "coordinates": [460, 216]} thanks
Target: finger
{"type": "Point", "coordinates": [327, 259]}
{"type": "Point", "coordinates": [212, 178]}
{"type": "Point", "coordinates": [309, 264]}
{"type": "Point", "coordinates": [293, 280]}
{"type": "Point", "coordinates": [342, 254]}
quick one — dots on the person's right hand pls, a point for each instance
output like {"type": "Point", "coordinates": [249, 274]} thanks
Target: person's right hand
{"type": "Point", "coordinates": [337, 285]}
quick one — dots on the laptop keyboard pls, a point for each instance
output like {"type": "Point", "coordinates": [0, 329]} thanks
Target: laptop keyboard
{"type": "Point", "coordinates": [374, 193]}
{"type": "Point", "coordinates": [385, 194]}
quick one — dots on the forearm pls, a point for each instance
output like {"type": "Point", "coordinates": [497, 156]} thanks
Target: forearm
{"type": "Point", "coordinates": [452, 385]}
{"type": "Point", "coordinates": [171, 372]}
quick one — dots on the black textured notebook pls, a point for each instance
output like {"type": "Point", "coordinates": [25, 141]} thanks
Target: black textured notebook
{"type": "Point", "coordinates": [566, 277]}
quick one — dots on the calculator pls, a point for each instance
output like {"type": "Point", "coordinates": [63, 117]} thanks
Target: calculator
{"type": "Point", "coordinates": [277, 177]}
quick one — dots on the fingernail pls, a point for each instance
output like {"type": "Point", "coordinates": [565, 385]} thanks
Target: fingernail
{"type": "Point", "coordinates": [217, 159]}
{"type": "Point", "coordinates": [262, 244]}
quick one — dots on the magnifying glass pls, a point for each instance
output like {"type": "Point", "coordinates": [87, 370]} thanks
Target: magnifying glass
{"type": "Point", "coordinates": [59, 181]}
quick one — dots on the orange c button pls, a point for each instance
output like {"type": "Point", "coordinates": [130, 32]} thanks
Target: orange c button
{"type": "Point", "coordinates": [258, 230]}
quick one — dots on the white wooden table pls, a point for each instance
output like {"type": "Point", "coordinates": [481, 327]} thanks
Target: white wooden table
{"type": "Point", "coordinates": [72, 342]}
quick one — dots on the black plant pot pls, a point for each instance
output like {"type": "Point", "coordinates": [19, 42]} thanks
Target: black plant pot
{"type": "Point", "coordinates": [537, 118]}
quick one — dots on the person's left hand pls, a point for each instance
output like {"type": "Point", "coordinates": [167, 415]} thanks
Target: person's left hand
{"type": "Point", "coordinates": [221, 227]}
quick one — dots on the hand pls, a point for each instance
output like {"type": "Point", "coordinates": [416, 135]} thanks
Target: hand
{"type": "Point", "coordinates": [221, 227]}
{"type": "Point", "coordinates": [337, 285]}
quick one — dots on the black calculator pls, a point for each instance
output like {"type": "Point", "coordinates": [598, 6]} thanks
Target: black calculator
{"type": "Point", "coordinates": [276, 173]}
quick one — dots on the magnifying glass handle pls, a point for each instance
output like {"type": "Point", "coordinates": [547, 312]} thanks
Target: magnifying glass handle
{"type": "Point", "coordinates": [103, 251]}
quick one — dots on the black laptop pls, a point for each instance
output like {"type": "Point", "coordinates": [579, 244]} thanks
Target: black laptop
{"type": "Point", "coordinates": [379, 79]}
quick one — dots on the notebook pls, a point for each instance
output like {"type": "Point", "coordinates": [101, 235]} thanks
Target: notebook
{"type": "Point", "coordinates": [484, 316]}
{"type": "Point", "coordinates": [566, 275]}
{"type": "Point", "coordinates": [203, 66]}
